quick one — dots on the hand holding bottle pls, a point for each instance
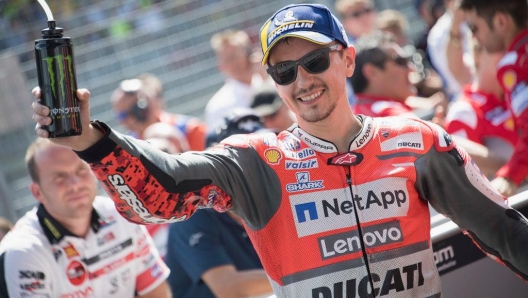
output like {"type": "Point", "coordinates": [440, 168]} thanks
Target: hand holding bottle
{"type": "Point", "coordinates": [89, 136]}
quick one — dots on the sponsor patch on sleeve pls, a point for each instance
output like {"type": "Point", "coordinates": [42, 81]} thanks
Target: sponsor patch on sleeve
{"type": "Point", "coordinates": [519, 98]}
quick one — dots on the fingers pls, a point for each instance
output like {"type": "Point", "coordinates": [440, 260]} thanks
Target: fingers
{"type": "Point", "coordinates": [36, 92]}
{"type": "Point", "coordinates": [39, 109]}
{"type": "Point", "coordinates": [83, 94]}
{"type": "Point", "coordinates": [41, 132]}
{"type": "Point", "coordinates": [40, 114]}
{"type": "Point", "coordinates": [42, 118]}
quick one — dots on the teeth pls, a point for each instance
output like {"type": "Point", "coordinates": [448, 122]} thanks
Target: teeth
{"type": "Point", "coordinates": [311, 97]}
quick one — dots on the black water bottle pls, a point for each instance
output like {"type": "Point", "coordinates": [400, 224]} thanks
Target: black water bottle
{"type": "Point", "coordinates": [58, 85]}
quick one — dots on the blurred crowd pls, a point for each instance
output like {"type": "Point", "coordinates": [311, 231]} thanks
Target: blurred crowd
{"type": "Point", "coordinates": [445, 76]}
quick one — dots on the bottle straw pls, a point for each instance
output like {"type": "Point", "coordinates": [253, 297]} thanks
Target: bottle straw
{"type": "Point", "coordinates": [47, 10]}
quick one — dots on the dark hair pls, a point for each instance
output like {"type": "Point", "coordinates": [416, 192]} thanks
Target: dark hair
{"type": "Point", "coordinates": [370, 49]}
{"type": "Point", "coordinates": [517, 9]}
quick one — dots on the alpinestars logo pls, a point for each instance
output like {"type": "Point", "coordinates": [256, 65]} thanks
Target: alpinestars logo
{"type": "Point", "coordinates": [346, 159]}
{"type": "Point", "coordinates": [304, 183]}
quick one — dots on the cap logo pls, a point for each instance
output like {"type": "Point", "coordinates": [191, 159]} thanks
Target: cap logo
{"type": "Point", "coordinates": [288, 17]}
{"type": "Point", "coordinates": [288, 22]}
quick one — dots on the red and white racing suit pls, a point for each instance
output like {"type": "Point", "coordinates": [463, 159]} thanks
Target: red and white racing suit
{"type": "Point", "coordinates": [512, 73]}
{"type": "Point", "coordinates": [41, 258]}
{"type": "Point", "coordinates": [325, 224]}
{"type": "Point", "coordinates": [479, 117]}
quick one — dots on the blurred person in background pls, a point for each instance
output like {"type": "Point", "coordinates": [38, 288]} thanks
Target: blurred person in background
{"type": "Point", "coordinates": [138, 103]}
{"type": "Point", "coordinates": [454, 69]}
{"type": "Point", "coordinates": [176, 142]}
{"type": "Point", "coordinates": [237, 121]}
{"type": "Point", "coordinates": [381, 80]}
{"type": "Point", "coordinates": [210, 254]}
{"type": "Point", "coordinates": [429, 11]}
{"type": "Point", "coordinates": [358, 18]}
{"type": "Point", "coordinates": [393, 21]}
{"type": "Point", "coordinates": [424, 78]}
{"type": "Point", "coordinates": [502, 26]}
{"type": "Point", "coordinates": [74, 243]}
{"type": "Point", "coordinates": [381, 76]}
{"type": "Point", "coordinates": [5, 227]}
{"type": "Point", "coordinates": [482, 115]}
{"type": "Point", "coordinates": [268, 105]}
{"type": "Point", "coordinates": [234, 56]}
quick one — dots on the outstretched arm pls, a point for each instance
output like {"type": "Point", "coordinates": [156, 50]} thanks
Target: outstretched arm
{"type": "Point", "coordinates": [455, 187]}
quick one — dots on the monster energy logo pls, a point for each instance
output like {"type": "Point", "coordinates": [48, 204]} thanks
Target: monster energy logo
{"type": "Point", "coordinates": [60, 60]}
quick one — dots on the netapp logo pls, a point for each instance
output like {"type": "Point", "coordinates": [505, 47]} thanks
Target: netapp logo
{"type": "Point", "coordinates": [393, 281]}
{"type": "Point", "coordinates": [384, 199]}
{"type": "Point", "coordinates": [334, 209]}
{"type": "Point", "coordinates": [304, 183]}
{"type": "Point", "coordinates": [350, 242]}
{"type": "Point", "coordinates": [300, 165]}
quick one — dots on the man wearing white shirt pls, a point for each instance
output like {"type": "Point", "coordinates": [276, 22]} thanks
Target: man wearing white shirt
{"type": "Point", "coordinates": [233, 51]}
{"type": "Point", "coordinates": [440, 37]}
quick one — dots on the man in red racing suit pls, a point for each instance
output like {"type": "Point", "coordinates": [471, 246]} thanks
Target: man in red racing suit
{"type": "Point", "coordinates": [324, 224]}
{"type": "Point", "coordinates": [483, 17]}
{"type": "Point", "coordinates": [327, 219]}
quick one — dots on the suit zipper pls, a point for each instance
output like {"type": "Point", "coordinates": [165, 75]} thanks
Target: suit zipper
{"type": "Point", "coordinates": [360, 231]}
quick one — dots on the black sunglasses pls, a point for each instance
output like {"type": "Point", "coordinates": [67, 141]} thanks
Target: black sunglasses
{"type": "Point", "coordinates": [400, 61]}
{"type": "Point", "coordinates": [315, 62]}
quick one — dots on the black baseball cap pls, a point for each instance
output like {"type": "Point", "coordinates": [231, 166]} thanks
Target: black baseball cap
{"type": "Point", "coordinates": [238, 121]}
{"type": "Point", "coordinates": [266, 101]}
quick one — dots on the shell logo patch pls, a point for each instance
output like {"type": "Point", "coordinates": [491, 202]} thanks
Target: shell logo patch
{"type": "Point", "coordinates": [509, 79]}
{"type": "Point", "coordinates": [273, 156]}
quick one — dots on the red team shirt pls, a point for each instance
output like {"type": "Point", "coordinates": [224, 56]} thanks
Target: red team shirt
{"type": "Point", "coordinates": [513, 75]}
{"type": "Point", "coordinates": [374, 106]}
{"type": "Point", "coordinates": [478, 115]}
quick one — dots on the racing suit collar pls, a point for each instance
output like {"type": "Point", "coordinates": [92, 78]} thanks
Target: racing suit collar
{"type": "Point", "coordinates": [55, 232]}
{"type": "Point", "coordinates": [324, 146]}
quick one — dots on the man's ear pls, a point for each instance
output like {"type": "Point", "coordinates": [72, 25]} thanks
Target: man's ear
{"type": "Point", "coordinates": [370, 72]}
{"type": "Point", "coordinates": [36, 192]}
{"type": "Point", "coordinates": [350, 60]}
{"type": "Point", "coordinates": [501, 22]}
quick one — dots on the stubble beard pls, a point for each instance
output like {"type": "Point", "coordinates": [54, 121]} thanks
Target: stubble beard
{"type": "Point", "coordinates": [316, 115]}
